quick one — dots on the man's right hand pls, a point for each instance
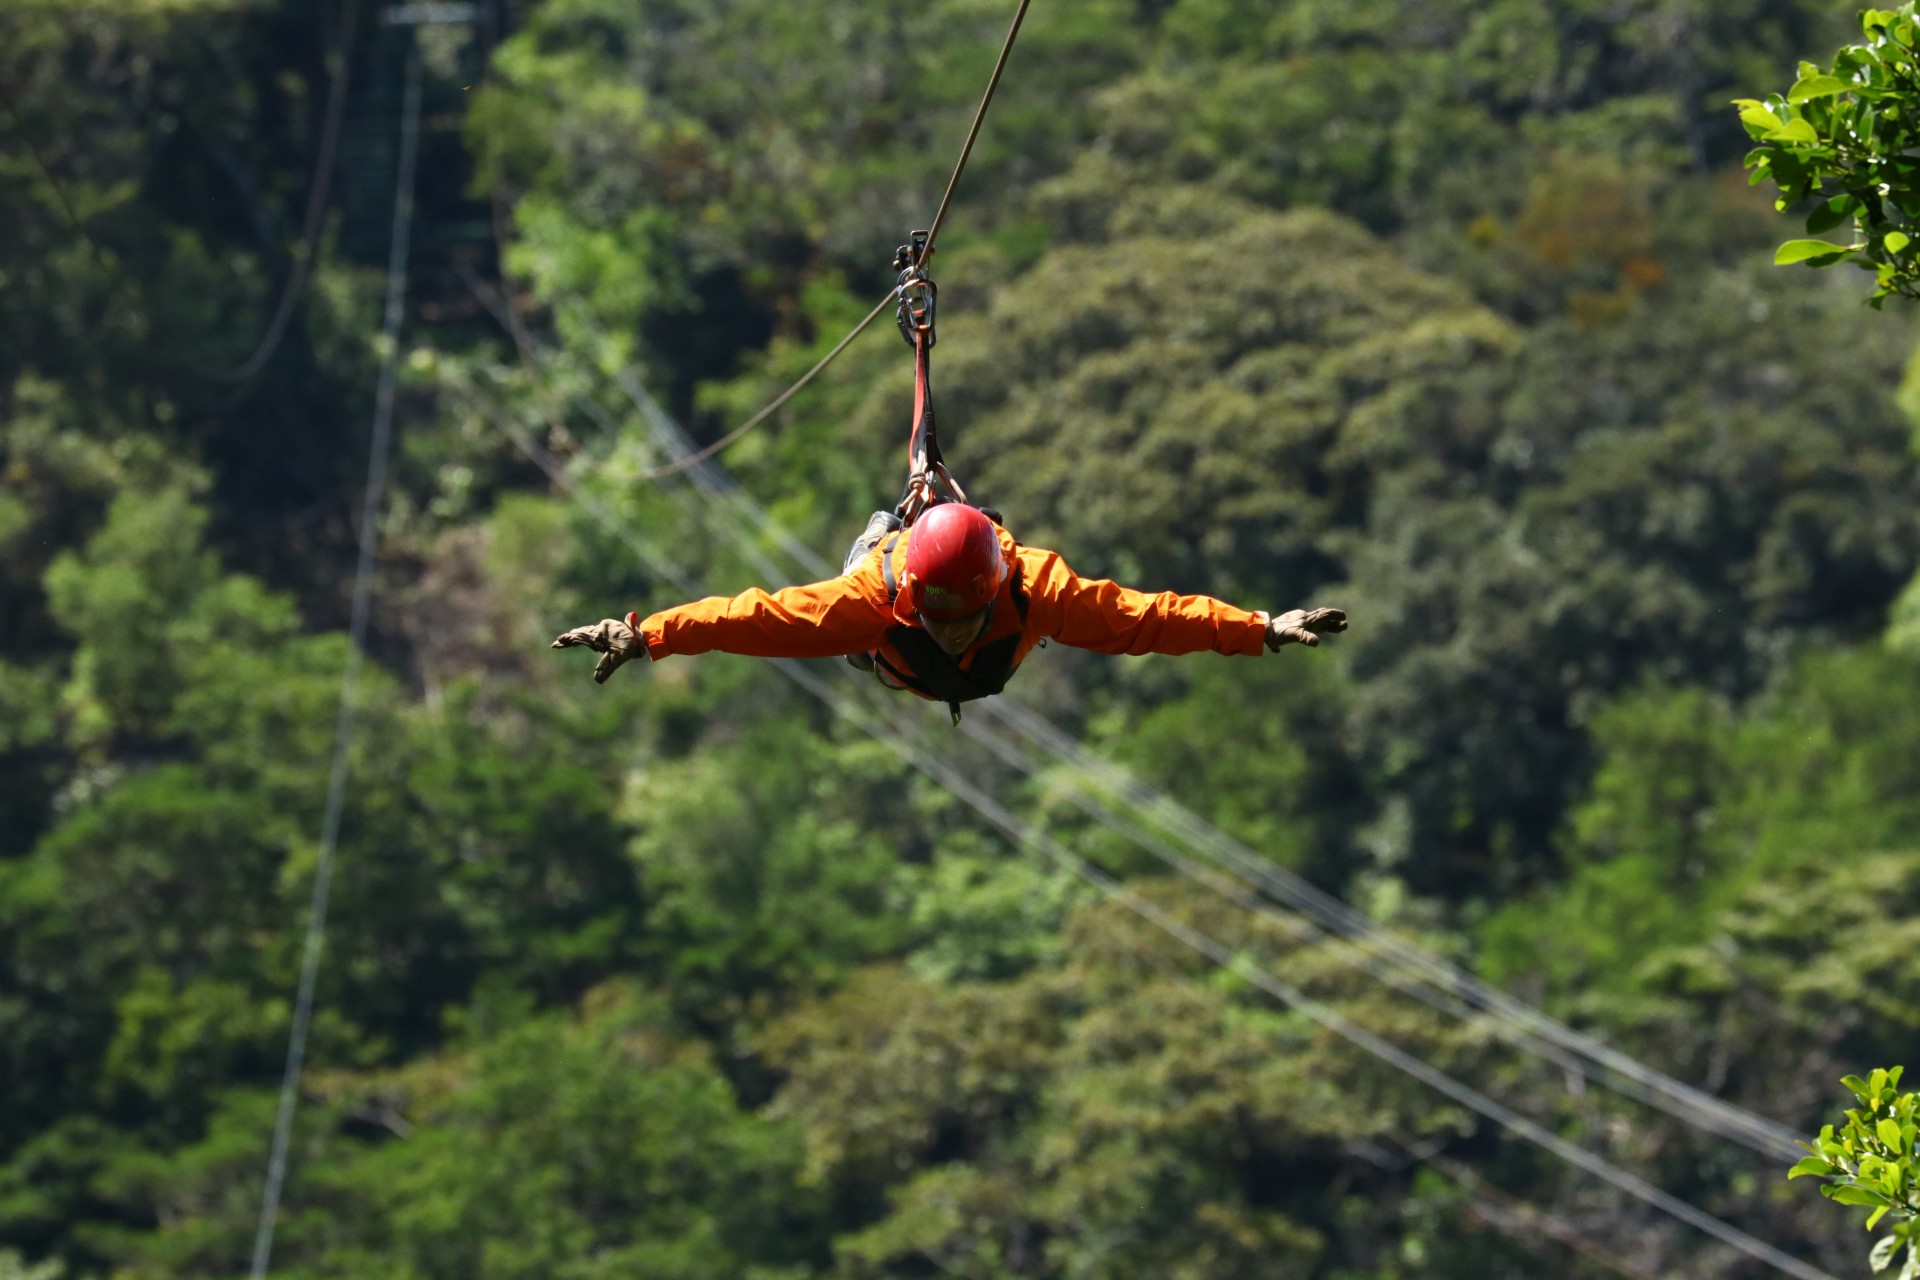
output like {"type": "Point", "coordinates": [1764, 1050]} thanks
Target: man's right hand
{"type": "Point", "coordinates": [616, 640]}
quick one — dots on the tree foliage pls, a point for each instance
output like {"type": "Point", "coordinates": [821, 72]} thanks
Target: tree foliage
{"type": "Point", "coordinates": [1841, 135]}
{"type": "Point", "coordinates": [1452, 314]}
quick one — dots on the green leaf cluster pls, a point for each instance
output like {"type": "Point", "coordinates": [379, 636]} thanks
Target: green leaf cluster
{"type": "Point", "coordinates": [1870, 1162]}
{"type": "Point", "coordinates": [1842, 136]}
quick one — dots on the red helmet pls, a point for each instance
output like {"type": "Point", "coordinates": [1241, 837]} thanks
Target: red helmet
{"type": "Point", "coordinates": [954, 566]}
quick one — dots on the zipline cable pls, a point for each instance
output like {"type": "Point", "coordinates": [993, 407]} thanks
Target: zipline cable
{"type": "Point", "coordinates": [1522, 1024]}
{"type": "Point", "coordinates": [940, 215]}
{"type": "Point", "coordinates": [316, 207]}
{"type": "Point", "coordinates": [1502, 1211]}
{"type": "Point", "coordinates": [397, 260]}
{"type": "Point", "coordinates": [709, 479]}
{"type": "Point", "coordinates": [1344, 949]}
{"type": "Point", "coordinates": [1024, 835]}
{"type": "Point", "coordinates": [695, 459]}
{"type": "Point", "coordinates": [1759, 1133]}
{"type": "Point", "coordinates": [973, 130]}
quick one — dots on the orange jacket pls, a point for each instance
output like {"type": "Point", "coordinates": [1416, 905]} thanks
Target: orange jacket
{"type": "Point", "coordinates": [852, 614]}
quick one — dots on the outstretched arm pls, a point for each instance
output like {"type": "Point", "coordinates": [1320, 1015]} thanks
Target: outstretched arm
{"type": "Point", "coordinates": [818, 620]}
{"type": "Point", "coordinates": [1092, 613]}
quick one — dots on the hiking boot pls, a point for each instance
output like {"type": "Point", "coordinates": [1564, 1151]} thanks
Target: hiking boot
{"type": "Point", "coordinates": [879, 525]}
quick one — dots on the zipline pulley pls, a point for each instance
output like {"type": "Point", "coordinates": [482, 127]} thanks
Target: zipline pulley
{"type": "Point", "coordinates": [917, 291]}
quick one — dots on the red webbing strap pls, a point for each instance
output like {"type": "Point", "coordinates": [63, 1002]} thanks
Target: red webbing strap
{"type": "Point", "coordinates": [923, 444]}
{"type": "Point", "coordinates": [926, 470]}
{"type": "Point", "coordinates": [928, 480]}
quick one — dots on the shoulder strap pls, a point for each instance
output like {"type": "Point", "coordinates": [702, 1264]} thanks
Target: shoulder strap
{"type": "Point", "coordinates": [886, 570]}
{"type": "Point", "coordinates": [931, 671]}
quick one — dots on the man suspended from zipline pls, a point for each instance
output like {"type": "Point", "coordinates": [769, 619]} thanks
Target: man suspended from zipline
{"type": "Point", "coordinates": [947, 609]}
{"type": "Point", "coordinates": [936, 597]}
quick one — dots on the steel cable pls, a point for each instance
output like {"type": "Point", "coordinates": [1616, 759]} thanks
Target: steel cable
{"type": "Point", "coordinates": [700, 455]}
{"type": "Point", "coordinates": [1758, 1133]}
{"type": "Point", "coordinates": [973, 130]}
{"type": "Point", "coordinates": [316, 209]}
{"type": "Point", "coordinates": [397, 259]}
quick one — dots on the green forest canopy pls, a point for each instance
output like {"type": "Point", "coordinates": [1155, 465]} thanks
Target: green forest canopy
{"type": "Point", "coordinates": [1460, 316]}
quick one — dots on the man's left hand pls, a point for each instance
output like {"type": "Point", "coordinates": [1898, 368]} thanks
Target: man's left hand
{"type": "Point", "coordinates": [1303, 626]}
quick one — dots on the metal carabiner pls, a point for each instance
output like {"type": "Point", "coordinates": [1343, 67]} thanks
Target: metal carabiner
{"type": "Point", "coordinates": [918, 293]}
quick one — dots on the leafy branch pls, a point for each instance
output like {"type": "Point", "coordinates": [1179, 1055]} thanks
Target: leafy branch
{"type": "Point", "coordinates": [1849, 136]}
{"type": "Point", "coordinates": [1871, 1164]}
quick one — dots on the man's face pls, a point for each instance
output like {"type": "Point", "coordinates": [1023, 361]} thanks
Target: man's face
{"type": "Point", "coordinates": [953, 635]}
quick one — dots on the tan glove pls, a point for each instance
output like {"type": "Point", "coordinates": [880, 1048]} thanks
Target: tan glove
{"type": "Point", "coordinates": [616, 640]}
{"type": "Point", "coordinates": [1303, 626]}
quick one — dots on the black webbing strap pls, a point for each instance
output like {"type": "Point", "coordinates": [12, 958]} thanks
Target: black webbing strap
{"type": "Point", "coordinates": [886, 568]}
{"type": "Point", "coordinates": [934, 673]}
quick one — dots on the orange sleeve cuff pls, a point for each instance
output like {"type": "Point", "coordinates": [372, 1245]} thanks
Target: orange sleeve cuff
{"type": "Point", "coordinates": [652, 631]}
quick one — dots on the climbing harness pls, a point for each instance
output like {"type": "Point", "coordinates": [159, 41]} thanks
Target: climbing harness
{"type": "Point", "coordinates": [934, 673]}
{"type": "Point", "coordinates": [930, 670]}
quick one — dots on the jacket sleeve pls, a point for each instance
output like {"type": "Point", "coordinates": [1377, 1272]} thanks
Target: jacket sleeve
{"type": "Point", "coordinates": [820, 620]}
{"type": "Point", "coordinates": [1092, 613]}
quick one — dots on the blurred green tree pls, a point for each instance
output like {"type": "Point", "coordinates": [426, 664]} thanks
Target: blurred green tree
{"type": "Point", "coordinates": [598, 1145]}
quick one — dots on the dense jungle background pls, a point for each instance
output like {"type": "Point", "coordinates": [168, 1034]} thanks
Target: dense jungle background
{"type": "Point", "coordinates": [1459, 315]}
